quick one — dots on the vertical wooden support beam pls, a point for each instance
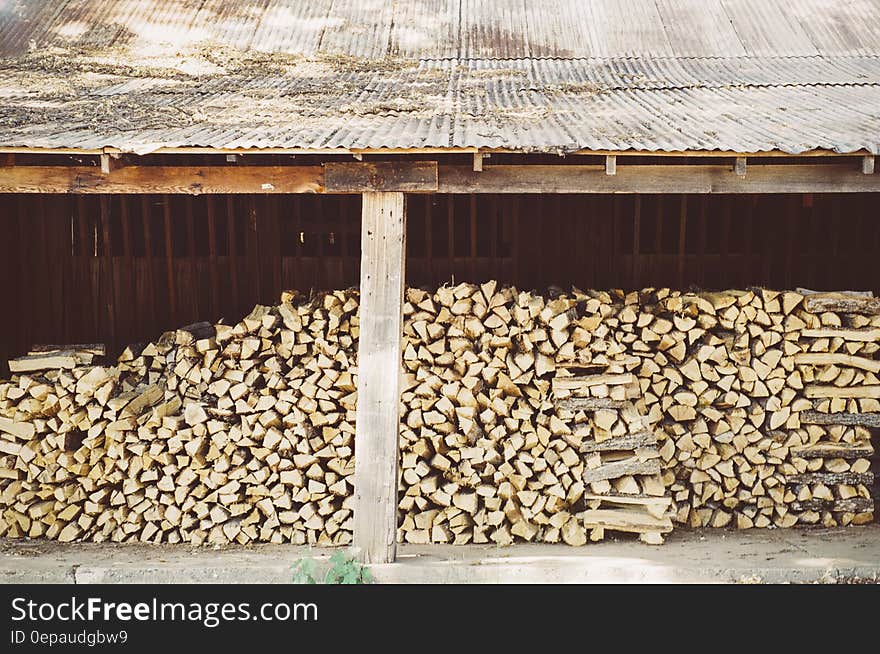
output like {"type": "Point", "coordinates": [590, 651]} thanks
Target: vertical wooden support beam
{"type": "Point", "coordinates": [611, 164]}
{"type": "Point", "coordinates": [383, 248]}
{"type": "Point", "coordinates": [478, 162]}
{"type": "Point", "coordinates": [868, 165]}
{"type": "Point", "coordinates": [741, 166]}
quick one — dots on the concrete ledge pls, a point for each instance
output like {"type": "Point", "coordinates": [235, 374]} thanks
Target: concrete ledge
{"type": "Point", "coordinates": [711, 556]}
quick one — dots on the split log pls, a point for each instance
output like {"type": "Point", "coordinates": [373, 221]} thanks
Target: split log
{"type": "Point", "coordinates": [842, 303]}
{"type": "Point", "coordinates": [852, 419]}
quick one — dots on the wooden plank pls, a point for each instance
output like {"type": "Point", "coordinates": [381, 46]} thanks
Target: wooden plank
{"type": "Point", "coordinates": [32, 226]}
{"type": "Point", "coordinates": [867, 391]}
{"type": "Point", "coordinates": [586, 381]}
{"type": "Point", "coordinates": [383, 248]}
{"type": "Point", "coordinates": [18, 428]}
{"type": "Point", "coordinates": [769, 178]}
{"type": "Point", "coordinates": [867, 335]}
{"type": "Point", "coordinates": [631, 466]}
{"type": "Point", "coordinates": [57, 244]}
{"type": "Point", "coordinates": [636, 244]}
{"type": "Point", "coordinates": [450, 235]}
{"type": "Point", "coordinates": [628, 442]}
{"type": "Point", "coordinates": [495, 226]}
{"type": "Point", "coordinates": [232, 252]}
{"type": "Point", "coordinates": [589, 403]}
{"type": "Point", "coordinates": [126, 290]}
{"type": "Point", "coordinates": [191, 180]}
{"type": "Point", "coordinates": [833, 267]}
{"type": "Point", "coordinates": [836, 358]}
{"type": "Point", "coordinates": [791, 238]}
{"type": "Point", "coordinates": [747, 217]}
{"type": "Point", "coordinates": [11, 268]}
{"type": "Point", "coordinates": [660, 276]}
{"type": "Point", "coordinates": [146, 219]}
{"type": "Point", "coordinates": [516, 230]}
{"type": "Point", "coordinates": [472, 238]}
{"type": "Point", "coordinates": [842, 303]}
{"type": "Point", "coordinates": [91, 264]}
{"type": "Point", "coordinates": [417, 177]}
{"type": "Point", "coordinates": [404, 176]}
{"type": "Point", "coordinates": [191, 274]}
{"type": "Point", "coordinates": [637, 500]}
{"type": "Point", "coordinates": [726, 276]}
{"type": "Point", "coordinates": [429, 238]}
{"type": "Point", "coordinates": [851, 505]}
{"type": "Point", "coordinates": [625, 520]}
{"type": "Point", "coordinates": [66, 359]}
{"type": "Point", "coordinates": [272, 251]}
{"type": "Point", "coordinates": [850, 419]}
{"type": "Point", "coordinates": [767, 213]}
{"type": "Point", "coordinates": [108, 283]}
{"type": "Point", "coordinates": [682, 239]}
{"type": "Point", "coordinates": [169, 262]}
{"type": "Point", "coordinates": [252, 280]}
{"type": "Point", "coordinates": [834, 450]}
{"type": "Point", "coordinates": [701, 242]}
{"type": "Point", "coordinates": [832, 478]}
{"type": "Point", "coordinates": [212, 258]}
{"type": "Point", "coordinates": [96, 349]}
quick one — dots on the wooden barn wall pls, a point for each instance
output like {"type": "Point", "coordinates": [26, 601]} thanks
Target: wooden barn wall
{"type": "Point", "coordinates": [119, 269]}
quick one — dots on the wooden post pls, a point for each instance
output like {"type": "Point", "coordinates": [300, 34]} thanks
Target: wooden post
{"type": "Point", "coordinates": [383, 254]}
{"type": "Point", "coordinates": [611, 164]}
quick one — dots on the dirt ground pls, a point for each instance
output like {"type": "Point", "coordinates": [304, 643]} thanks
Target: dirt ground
{"type": "Point", "coordinates": [845, 555]}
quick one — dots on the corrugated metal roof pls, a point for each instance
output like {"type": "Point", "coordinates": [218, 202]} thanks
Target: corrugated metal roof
{"type": "Point", "coordinates": [550, 76]}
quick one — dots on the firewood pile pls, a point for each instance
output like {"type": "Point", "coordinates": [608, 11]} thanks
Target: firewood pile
{"type": "Point", "coordinates": [625, 489]}
{"type": "Point", "coordinates": [725, 378]}
{"type": "Point", "coordinates": [530, 417]}
{"type": "Point", "coordinates": [212, 434]}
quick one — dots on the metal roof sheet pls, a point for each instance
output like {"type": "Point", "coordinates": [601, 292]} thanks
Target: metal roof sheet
{"type": "Point", "coordinates": [549, 76]}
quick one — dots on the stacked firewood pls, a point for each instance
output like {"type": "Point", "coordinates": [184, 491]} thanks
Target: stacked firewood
{"type": "Point", "coordinates": [833, 479]}
{"type": "Point", "coordinates": [625, 489]}
{"type": "Point", "coordinates": [483, 457]}
{"type": "Point", "coordinates": [726, 377]}
{"type": "Point", "coordinates": [214, 433]}
{"type": "Point", "coordinates": [754, 367]}
{"type": "Point", "coordinates": [743, 408]}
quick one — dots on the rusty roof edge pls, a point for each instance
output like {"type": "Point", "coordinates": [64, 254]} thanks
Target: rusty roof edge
{"type": "Point", "coordinates": [190, 150]}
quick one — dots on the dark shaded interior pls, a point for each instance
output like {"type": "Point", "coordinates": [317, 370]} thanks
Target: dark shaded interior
{"type": "Point", "coordinates": [119, 269]}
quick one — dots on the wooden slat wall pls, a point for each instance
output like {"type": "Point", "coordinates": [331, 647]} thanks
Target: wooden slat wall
{"type": "Point", "coordinates": [122, 269]}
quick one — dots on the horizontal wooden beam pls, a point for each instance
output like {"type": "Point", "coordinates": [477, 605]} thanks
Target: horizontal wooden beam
{"type": "Point", "coordinates": [427, 177]}
{"type": "Point", "coordinates": [699, 179]}
{"type": "Point", "coordinates": [402, 176]}
{"type": "Point", "coordinates": [191, 180]}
